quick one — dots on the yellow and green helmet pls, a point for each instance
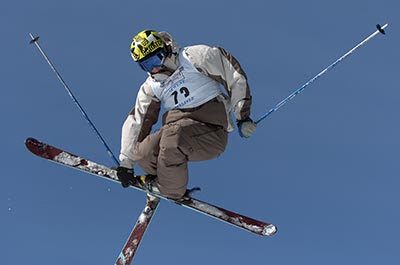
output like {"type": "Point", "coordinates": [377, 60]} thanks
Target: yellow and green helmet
{"type": "Point", "coordinates": [145, 43]}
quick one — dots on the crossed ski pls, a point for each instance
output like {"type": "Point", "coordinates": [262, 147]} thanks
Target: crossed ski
{"type": "Point", "coordinates": [64, 158]}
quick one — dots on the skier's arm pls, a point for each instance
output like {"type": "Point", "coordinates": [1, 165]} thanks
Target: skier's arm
{"type": "Point", "coordinates": [221, 66]}
{"type": "Point", "coordinates": [138, 124]}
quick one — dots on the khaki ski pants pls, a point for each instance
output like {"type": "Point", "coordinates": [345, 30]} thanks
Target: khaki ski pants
{"type": "Point", "coordinates": [166, 152]}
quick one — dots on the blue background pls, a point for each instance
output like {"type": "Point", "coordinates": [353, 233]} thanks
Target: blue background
{"type": "Point", "coordinates": [324, 169]}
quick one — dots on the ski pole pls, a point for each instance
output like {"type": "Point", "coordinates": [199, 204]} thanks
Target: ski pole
{"type": "Point", "coordinates": [110, 153]}
{"type": "Point", "coordinates": [380, 29]}
{"type": "Point", "coordinates": [132, 244]}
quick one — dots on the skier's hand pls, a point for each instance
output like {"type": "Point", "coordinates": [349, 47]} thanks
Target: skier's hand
{"type": "Point", "coordinates": [246, 127]}
{"type": "Point", "coordinates": [126, 176]}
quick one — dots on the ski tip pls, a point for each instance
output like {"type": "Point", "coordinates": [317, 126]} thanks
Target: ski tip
{"type": "Point", "coordinates": [34, 39]}
{"type": "Point", "coordinates": [33, 145]}
{"type": "Point", "coordinates": [380, 28]}
{"type": "Point", "coordinates": [30, 141]}
{"type": "Point", "coordinates": [269, 230]}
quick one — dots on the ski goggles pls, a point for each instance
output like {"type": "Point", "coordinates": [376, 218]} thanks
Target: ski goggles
{"type": "Point", "coordinates": [155, 60]}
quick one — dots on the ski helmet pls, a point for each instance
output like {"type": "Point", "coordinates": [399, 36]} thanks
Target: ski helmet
{"type": "Point", "coordinates": [145, 44]}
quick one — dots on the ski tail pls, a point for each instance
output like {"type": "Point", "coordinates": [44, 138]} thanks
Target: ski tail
{"type": "Point", "coordinates": [132, 244]}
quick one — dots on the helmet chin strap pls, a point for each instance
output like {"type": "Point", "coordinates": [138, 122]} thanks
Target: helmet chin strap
{"type": "Point", "coordinates": [171, 62]}
{"type": "Point", "coordinates": [160, 77]}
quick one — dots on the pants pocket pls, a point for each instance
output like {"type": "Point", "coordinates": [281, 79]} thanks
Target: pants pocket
{"type": "Point", "coordinates": [203, 142]}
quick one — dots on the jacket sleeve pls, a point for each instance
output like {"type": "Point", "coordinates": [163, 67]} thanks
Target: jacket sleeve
{"type": "Point", "coordinates": [138, 124]}
{"type": "Point", "coordinates": [221, 66]}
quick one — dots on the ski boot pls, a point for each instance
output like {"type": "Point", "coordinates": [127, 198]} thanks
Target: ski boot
{"type": "Point", "coordinates": [148, 182]}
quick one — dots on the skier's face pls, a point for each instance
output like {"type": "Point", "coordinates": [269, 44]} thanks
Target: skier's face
{"type": "Point", "coordinates": [156, 70]}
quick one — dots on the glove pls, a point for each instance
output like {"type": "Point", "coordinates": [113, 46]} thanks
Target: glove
{"type": "Point", "coordinates": [126, 176]}
{"type": "Point", "coordinates": [246, 127]}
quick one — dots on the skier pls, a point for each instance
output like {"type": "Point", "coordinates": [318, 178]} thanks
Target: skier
{"type": "Point", "coordinates": [199, 86]}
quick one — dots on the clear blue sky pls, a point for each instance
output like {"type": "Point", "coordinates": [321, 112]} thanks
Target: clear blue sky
{"type": "Point", "coordinates": [324, 169]}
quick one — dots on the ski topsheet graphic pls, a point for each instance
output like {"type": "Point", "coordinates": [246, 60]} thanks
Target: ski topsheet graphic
{"type": "Point", "coordinates": [59, 156]}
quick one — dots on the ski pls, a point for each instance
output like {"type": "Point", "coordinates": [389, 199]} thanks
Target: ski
{"type": "Point", "coordinates": [59, 156]}
{"type": "Point", "coordinates": [132, 244]}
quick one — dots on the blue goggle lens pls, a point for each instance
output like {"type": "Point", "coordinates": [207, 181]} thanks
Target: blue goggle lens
{"type": "Point", "coordinates": [153, 61]}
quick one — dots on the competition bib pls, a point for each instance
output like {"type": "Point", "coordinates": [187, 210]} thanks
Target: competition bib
{"type": "Point", "coordinates": [186, 87]}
